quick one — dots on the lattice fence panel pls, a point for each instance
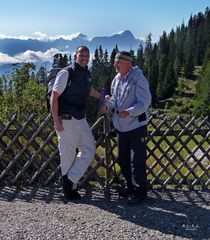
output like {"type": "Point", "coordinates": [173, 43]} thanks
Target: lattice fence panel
{"type": "Point", "coordinates": [178, 153]}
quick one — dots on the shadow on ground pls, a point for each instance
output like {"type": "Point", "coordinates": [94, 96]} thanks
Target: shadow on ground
{"type": "Point", "coordinates": [180, 213]}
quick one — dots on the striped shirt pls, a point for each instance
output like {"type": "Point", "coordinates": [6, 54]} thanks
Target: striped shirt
{"type": "Point", "coordinates": [119, 91]}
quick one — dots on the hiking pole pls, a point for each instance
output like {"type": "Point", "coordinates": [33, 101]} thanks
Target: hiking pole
{"type": "Point", "coordinates": [106, 144]}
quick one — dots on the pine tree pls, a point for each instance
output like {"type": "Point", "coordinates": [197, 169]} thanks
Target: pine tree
{"type": "Point", "coordinates": [203, 93]}
{"type": "Point", "coordinates": [95, 70]}
{"type": "Point", "coordinates": [169, 82]}
{"type": "Point", "coordinates": [164, 44]}
{"type": "Point", "coordinates": [152, 75]}
{"type": "Point", "coordinates": [133, 56]}
{"type": "Point", "coordinates": [108, 79]}
{"type": "Point", "coordinates": [173, 81]}
{"type": "Point", "coordinates": [163, 55]}
{"type": "Point", "coordinates": [41, 75]}
{"type": "Point", "coordinates": [113, 53]}
{"type": "Point", "coordinates": [206, 57]}
{"type": "Point", "coordinates": [203, 88]}
{"type": "Point", "coordinates": [111, 64]}
{"type": "Point", "coordinates": [65, 60]}
{"type": "Point", "coordinates": [147, 53]}
{"type": "Point", "coordinates": [101, 55]}
{"type": "Point", "coordinates": [140, 57]}
{"type": "Point", "coordinates": [20, 77]}
{"type": "Point", "coordinates": [188, 66]}
{"type": "Point", "coordinates": [200, 42]}
{"type": "Point", "coordinates": [179, 56]}
{"type": "Point", "coordinates": [189, 49]}
{"type": "Point", "coordinates": [163, 63]}
{"type": "Point", "coordinates": [207, 27]}
{"type": "Point", "coordinates": [69, 61]}
{"type": "Point", "coordinates": [25, 95]}
{"type": "Point", "coordinates": [1, 87]}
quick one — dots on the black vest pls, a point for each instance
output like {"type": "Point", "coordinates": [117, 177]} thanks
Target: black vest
{"type": "Point", "coordinates": [74, 98]}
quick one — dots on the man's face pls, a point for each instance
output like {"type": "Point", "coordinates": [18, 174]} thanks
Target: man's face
{"type": "Point", "coordinates": [82, 57]}
{"type": "Point", "coordinates": [121, 65]}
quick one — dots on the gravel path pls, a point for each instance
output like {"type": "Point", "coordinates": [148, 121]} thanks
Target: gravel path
{"type": "Point", "coordinates": [35, 213]}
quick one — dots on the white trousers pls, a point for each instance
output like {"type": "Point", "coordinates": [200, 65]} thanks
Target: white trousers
{"type": "Point", "coordinates": [76, 134]}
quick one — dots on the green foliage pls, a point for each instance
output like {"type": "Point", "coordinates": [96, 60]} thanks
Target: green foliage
{"type": "Point", "coordinates": [188, 67]}
{"type": "Point", "coordinates": [41, 75]}
{"type": "Point", "coordinates": [186, 107]}
{"type": "Point", "coordinates": [1, 87]}
{"type": "Point", "coordinates": [181, 86]}
{"type": "Point", "coordinates": [203, 93]}
{"type": "Point", "coordinates": [140, 57]}
{"type": "Point", "coordinates": [170, 81]}
{"type": "Point", "coordinates": [26, 95]}
{"type": "Point", "coordinates": [34, 98]}
{"type": "Point", "coordinates": [153, 72]}
{"type": "Point", "coordinates": [176, 56]}
{"type": "Point", "coordinates": [162, 71]}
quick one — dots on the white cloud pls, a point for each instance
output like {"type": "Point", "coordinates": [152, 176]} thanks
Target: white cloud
{"type": "Point", "coordinates": [141, 38]}
{"type": "Point", "coordinates": [120, 32]}
{"type": "Point", "coordinates": [66, 37]}
{"type": "Point", "coordinates": [41, 36]}
{"type": "Point", "coordinates": [29, 56]}
{"type": "Point", "coordinates": [5, 58]}
{"type": "Point", "coordinates": [22, 37]}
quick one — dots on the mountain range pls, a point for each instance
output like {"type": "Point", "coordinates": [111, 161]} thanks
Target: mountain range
{"type": "Point", "coordinates": [41, 51]}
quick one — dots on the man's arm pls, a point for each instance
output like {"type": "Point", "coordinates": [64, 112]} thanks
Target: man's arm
{"type": "Point", "coordinates": [143, 97]}
{"type": "Point", "coordinates": [54, 110]}
{"type": "Point", "coordinates": [58, 88]}
{"type": "Point", "coordinates": [94, 93]}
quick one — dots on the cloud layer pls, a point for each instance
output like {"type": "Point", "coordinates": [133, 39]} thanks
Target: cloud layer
{"type": "Point", "coordinates": [29, 56]}
{"type": "Point", "coordinates": [14, 49]}
{"type": "Point", "coordinates": [41, 36]}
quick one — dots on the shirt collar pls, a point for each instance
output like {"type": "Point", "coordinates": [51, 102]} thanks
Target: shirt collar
{"type": "Point", "coordinates": [126, 77]}
{"type": "Point", "coordinates": [77, 66]}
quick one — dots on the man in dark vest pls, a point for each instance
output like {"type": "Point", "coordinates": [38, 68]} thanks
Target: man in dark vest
{"type": "Point", "coordinates": [68, 105]}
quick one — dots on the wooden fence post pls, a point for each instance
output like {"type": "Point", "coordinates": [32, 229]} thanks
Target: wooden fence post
{"type": "Point", "coordinates": [107, 145]}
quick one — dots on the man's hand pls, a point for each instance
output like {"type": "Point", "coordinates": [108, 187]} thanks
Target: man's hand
{"type": "Point", "coordinates": [59, 126]}
{"type": "Point", "coordinates": [107, 97]}
{"type": "Point", "coordinates": [103, 109]}
{"type": "Point", "coordinates": [123, 114]}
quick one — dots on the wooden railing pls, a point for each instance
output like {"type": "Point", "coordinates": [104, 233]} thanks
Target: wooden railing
{"type": "Point", "coordinates": [178, 153]}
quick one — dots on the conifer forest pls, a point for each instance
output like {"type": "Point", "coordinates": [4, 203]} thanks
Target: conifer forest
{"type": "Point", "coordinates": [177, 68]}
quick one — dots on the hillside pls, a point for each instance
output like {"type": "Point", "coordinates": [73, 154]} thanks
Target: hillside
{"type": "Point", "coordinates": [183, 101]}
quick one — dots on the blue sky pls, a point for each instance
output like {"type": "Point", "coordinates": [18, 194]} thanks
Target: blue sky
{"type": "Point", "coordinates": [96, 17]}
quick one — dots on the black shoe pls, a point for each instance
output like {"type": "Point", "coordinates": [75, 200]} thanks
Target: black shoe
{"type": "Point", "coordinates": [74, 195]}
{"type": "Point", "coordinates": [136, 199]}
{"type": "Point", "coordinates": [125, 192]}
{"type": "Point", "coordinates": [67, 185]}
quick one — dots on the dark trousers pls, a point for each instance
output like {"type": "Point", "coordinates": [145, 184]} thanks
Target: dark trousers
{"type": "Point", "coordinates": [132, 157]}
